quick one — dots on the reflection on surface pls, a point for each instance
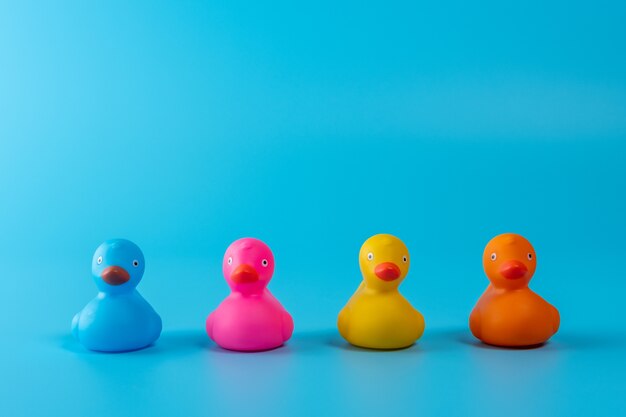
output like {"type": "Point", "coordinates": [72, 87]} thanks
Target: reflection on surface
{"type": "Point", "coordinates": [184, 373]}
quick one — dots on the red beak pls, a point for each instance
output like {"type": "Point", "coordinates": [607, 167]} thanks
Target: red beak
{"type": "Point", "coordinates": [387, 271]}
{"type": "Point", "coordinates": [513, 269]}
{"type": "Point", "coordinates": [115, 275]}
{"type": "Point", "coordinates": [244, 273]}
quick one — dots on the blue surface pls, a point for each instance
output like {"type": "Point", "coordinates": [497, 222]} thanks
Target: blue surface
{"type": "Point", "coordinates": [185, 125]}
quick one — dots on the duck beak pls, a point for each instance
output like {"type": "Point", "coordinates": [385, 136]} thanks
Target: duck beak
{"type": "Point", "coordinates": [115, 275]}
{"type": "Point", "coordinates": [244, 273]}
{"type": "Point", "coordinates": [387, 271]}
{"type": "Point", "coordinates": [513, 270]}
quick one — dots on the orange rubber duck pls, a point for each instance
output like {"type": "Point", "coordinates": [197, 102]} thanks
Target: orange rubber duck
{"type": "Point", "coordinates": [509, 313]}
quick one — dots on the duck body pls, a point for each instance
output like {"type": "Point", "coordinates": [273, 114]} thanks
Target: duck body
{"type": "Point", "coordinates": [513, 318]}
{"type": "Point", "coordinates": [509, 313]}
{"type": "Point", "coordinates": [378, 320]}
{"type": "Point", "coordinates": [377, 316]}
{"type": "Point", "coordinates": [250, 323]}
{"type": "Point", "coordinates": [117, 323]}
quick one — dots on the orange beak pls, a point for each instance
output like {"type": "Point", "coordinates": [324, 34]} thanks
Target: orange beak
{"type": "Point", "coordinates": [244, 273]}
{"type": "Point", "coordinates": [513, 269]}
{"type": "Point", "coordinates": [115, 275]}
{"type": "Point", "coordinates": [387, 271]}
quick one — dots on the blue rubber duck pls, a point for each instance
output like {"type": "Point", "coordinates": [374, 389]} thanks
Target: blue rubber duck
{"type": "Point", "coordinates": [119, 319]}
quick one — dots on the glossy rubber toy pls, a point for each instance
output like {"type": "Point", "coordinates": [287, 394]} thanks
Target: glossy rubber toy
{"type": "Point", "coordinates": [378, 316]}
{"type": "Point", "coordinates": [119, 319]}
{"type": "Point", "coordinates": [250, 318]}
{"type": "Point", "coordinates": [509, 313]}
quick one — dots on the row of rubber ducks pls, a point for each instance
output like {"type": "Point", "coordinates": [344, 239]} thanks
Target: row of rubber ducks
{"type": "Point", "coordinates": [377, 316]}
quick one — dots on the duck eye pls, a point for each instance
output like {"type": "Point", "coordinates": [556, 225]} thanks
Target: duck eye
{"type": "Point", "coordinates": [135, 263]}
{"type": "Point", "coordinates": [404, 258]}
{"type": "Point", "coordinates": [370, 256]}
{"type": "Point", "coordinates": [530, 256]}
{"type": "Point", "coordinates": [264, 262]}
{"type": "Point", "coordinates": [230, 260]}
{"type": "Point", "coordinates": [99, 260]}
{"type": "Point", "coordinates": [493, 256]}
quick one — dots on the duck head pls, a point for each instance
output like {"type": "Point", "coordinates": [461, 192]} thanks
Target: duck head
{"type": "Point", "coordinates": [509, 261]}
{"type": "Point", "coordinates": [117, 266]}
{"type": "Point", "coordinates": [384, 262]}
{"type": "Point", "coordinates": [248, 265]}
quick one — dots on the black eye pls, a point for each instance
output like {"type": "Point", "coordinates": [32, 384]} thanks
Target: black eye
{"type": "Point", "coordinates": [404, 258]}
{"type": "Point", "coordinates": [99, 260]}
{"type": "Point", "coordinates": [530, 256]}
{"type": "Point", "coordinates": [135, 263]}
{"type": "Point", "coordinates": [493, 256]}
{"type": "Point", "coordinates": [264, 262]}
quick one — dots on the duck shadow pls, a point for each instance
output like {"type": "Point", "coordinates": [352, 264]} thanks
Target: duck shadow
{"type": "Point", "coordinates": [467, 339]}
{"type": "Point", "coordinates": [277, 351]}
{"type": "Point", "coordinates": [306, 341]}
{"type": "Point", "coordinates": [332, 338]}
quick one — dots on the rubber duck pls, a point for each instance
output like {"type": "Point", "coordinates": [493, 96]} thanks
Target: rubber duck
{"type": "Point", "coordinates": [510, 314]}
{"type": "Point", "coordinates": [119, 319]}
{"type": "Point", "coordinates": [378, 316]}
{"type": "Point", "coordinates": [250, 318]}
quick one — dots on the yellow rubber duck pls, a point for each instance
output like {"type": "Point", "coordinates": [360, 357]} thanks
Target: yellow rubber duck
{"type": "Point", "coordinates": [378, 316]}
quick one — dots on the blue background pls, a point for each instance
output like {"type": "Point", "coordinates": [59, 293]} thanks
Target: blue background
{"type": "Point", "coordinates": [312, 125]}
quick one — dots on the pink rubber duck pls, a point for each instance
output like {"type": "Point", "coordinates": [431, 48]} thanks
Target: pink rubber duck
{"type": "Point", "coordinates": [250, 318]}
